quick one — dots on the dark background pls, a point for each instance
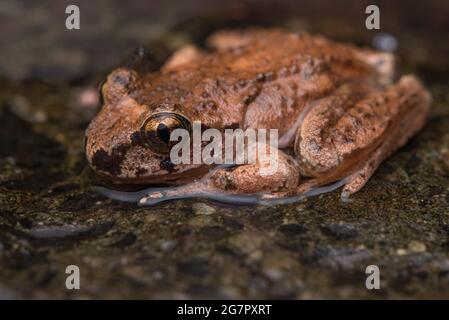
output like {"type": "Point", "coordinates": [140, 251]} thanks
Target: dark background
{"type": "Point", "coordinates": [36, 44]}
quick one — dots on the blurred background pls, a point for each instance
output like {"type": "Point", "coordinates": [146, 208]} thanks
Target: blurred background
{"type": "Point", "coordinates": [36, 45]}
{"type": "Point", "coordinates": [318, 248]}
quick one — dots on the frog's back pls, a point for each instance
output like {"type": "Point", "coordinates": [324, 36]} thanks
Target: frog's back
{"type": "Point", "coordinates": [256, 78]}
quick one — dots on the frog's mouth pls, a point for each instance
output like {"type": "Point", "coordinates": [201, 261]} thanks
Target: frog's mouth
{"type": "Point", "coordinates": [165, 177]}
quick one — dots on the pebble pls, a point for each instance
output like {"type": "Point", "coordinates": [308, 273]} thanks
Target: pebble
{"type": "Point", "coordinates": [339, 258]}
{"type": "Point", "coordinates": [71, 233]}
{"type": "Point", "coordinates": [416, 246]}
{"type": "Point", "coordinates": [301, 208]}
{"type": "Point", "coordinates": [55, 232]}
{"type": "Point", "coordinates": [168, 245]}
{"type": "Point", "coordinates": [273, 274]}
{"type": "Point", "coordinates": [340, 230]}
{"type": "Point", "coordinates": [385, 42]}
{"type": "Point", "coordinates": [202, 209]}
{"type": "Point", "coordinates": [21, 107]}
{"type": "Point", "coordinates": [88, 98]}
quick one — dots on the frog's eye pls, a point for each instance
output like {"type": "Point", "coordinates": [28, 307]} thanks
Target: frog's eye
{"type": "Point", "coordinates": [157, 129]}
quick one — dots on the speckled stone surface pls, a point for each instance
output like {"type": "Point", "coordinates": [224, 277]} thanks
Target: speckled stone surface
{"type": "Point", "coordinates": [318, 248]}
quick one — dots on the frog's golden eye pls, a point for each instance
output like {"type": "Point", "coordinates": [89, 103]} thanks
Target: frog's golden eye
{"type": "Point", "coordinates": [157, 129]}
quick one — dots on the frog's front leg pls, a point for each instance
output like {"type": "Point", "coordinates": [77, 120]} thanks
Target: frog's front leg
{"type": "Point", "coordinates": [236, 184]}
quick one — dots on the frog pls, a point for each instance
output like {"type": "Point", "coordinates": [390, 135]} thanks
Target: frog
{"type": "Point", "coordinates": [339, 110]}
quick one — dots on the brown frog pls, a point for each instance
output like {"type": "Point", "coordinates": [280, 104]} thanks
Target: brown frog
{"type": "Point", "coordinates": [334, 104]}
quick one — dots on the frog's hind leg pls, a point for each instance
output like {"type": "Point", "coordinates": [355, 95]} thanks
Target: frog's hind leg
{"type": "Point", "coordinates": [182, 56]}
{"type": "Point", "coordinates": [404, 112]}
{"type": "Point", "coordinates": [223, 40]}
{"type": "Point", "coordinates": [416, 106]}
{"type": "Point", "coordinates": [359, 178]}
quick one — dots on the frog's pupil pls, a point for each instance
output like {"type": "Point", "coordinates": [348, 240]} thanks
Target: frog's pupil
{"type": "Point", "coordinates": [163, 132]}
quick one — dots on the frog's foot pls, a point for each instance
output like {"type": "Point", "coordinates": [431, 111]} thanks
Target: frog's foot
{"type": "Point", "coordinates": [358, 179]}
{"type": "Point", "coordinates": [310, 188]}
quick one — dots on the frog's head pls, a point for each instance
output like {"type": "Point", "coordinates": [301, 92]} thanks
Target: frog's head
{"type": "Point", "coordinates": [128, 141]}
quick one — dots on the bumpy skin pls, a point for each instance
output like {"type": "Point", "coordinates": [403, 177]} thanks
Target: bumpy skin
{"type": "Point", "coordinates": [334, 103]}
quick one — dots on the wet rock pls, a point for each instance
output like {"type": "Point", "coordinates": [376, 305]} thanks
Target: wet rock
{"type": "Point", "coordinates": [202, 209]}
{"type": "Point", "coordinates": [445, 227]}
{"type": "Point", "coordinates": [247, 242]}
{"type": "Point", "coordinates": [20, 106]}
{"type": "Point", "coordinates": [292, 229]}
{"type": "Point", "coordinates": [397, 176]}
{"type": "Point", "coordinates": [194, 266]}
{"type": "Point", "coordinates": [441, 266]}
{"type": "Point", "coordinates": [6, 294]}
{"type": "Point", "coordinates": [413, 164]}
{"type": "Point", "coordinates": [138, 274]}
{"type": "Point", "coordinates": [57, 232]}
{"type": "Point", "coordinates": [338, 258]}
{"type": "Point", "coordinates": [126, 240]}
{"type": "Point", "coordinates": [29, 149]}
{"type": "Point", "coordinates": [214, 232]}
{"type": "Point", "coordinates": [79, 201]}
{"type": "Point", "coordinates": [416, 261]}
{"type": "Point", "coordinates": [200, 221]}
{"type": "Point", "coordinates": [66, 233]}
{"type": "Point", "coordinates": [62, 188]}
{"type": "Point", "coordinates": [340, 231]}
{"type": "Point", "coordinates": [39, 181]}
{"type": "Point", "coordinates": [8, 217]}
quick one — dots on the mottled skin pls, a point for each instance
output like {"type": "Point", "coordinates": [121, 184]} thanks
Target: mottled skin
{"type": "Point", "coordinates": [334, 104]}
